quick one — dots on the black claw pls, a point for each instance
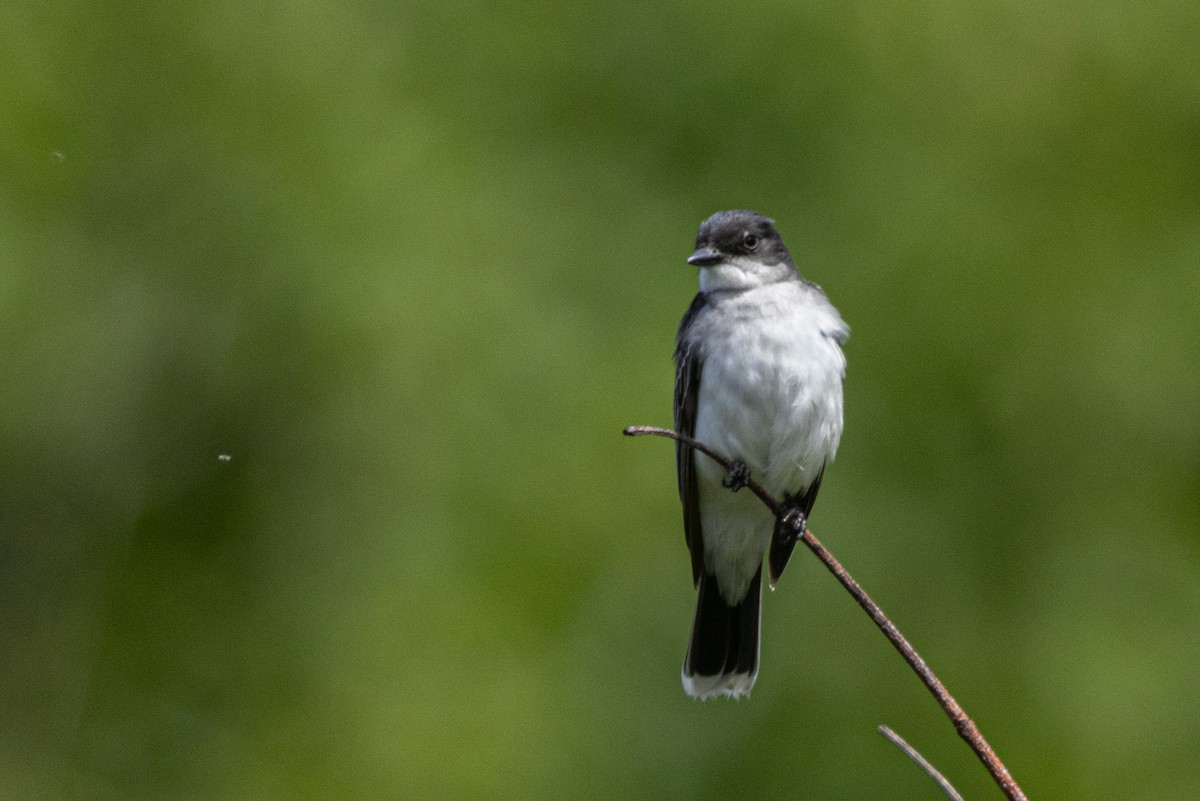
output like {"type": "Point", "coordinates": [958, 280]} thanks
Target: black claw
{"type": "Point", "coordinates": [792, 523]}
{"type": "Point", "coordinates": [739, 476]}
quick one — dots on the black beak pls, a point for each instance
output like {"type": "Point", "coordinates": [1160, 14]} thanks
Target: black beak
{"type": "Point", "coordinates": [704, 256]}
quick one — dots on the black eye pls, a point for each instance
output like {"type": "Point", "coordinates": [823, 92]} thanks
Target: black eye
{"type": "Point", "coordinates": [749, 241]}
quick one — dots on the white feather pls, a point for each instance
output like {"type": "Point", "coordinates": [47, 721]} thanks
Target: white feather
{"type": "Point", "coordinates": [771, 395]}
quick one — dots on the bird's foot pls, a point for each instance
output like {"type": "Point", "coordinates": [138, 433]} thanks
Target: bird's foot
{"type": "Point", "coordinates": [792, 522]}
{"type": "Point", "coordinates": [739, 476]}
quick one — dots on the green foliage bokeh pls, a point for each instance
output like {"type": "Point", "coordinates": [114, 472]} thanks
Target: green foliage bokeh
{"type": "Point", "coordinates": [320, 323]}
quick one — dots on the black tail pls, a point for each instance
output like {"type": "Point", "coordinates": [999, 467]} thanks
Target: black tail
{"type": "Point", "coordinates": [722, 658]}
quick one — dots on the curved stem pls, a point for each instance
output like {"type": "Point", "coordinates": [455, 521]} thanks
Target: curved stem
{"type": "Point", "coordinates": [963, 724]}
{"type": "Point", "coordinates": [921, 762]}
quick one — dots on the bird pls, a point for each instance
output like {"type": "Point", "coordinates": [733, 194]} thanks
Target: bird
{"type": "Point", "coordinates": [759, 370]}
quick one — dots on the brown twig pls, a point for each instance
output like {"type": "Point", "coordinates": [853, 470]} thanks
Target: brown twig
{"type": "Point", "coordinates": [921, 762]}
{"type": "Point", "coordinates": [962, 723]}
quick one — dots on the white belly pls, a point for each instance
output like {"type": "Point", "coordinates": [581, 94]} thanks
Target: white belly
{"type": "Point", "coordinates": [771, 395]}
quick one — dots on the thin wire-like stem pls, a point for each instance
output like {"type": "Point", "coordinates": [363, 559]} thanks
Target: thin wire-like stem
{"type": "Point", "coordinates": [963, 724]}
{"type": "Point", "coordinates": [921, 762]}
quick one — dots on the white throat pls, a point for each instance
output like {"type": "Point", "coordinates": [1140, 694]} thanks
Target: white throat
{"type": "Point", "coordinates": [739, 272]}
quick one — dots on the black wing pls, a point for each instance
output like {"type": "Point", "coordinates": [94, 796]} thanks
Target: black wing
{"type": "Point", "coordinates": [688, 363]}
{"type": "Point", "coordinates": [781, 547]}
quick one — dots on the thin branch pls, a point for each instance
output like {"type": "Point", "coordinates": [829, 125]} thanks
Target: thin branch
{"type": "Point", "coordinates": [752, 485]}
{"type": "Point", "coordinates": [921, 763]}
{"type": "Point", "coordinates": [963, 724]}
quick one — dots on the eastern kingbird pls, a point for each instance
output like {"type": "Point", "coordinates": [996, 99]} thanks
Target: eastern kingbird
{"type": "Point", "coordinates": [759, 371]}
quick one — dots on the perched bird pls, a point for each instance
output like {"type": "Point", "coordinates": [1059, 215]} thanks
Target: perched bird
{"type": "Point", "coordinates": [759, 370]}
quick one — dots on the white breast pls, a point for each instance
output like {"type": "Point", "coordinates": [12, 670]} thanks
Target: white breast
{"type": "Point", "coordinates": [770, 395]}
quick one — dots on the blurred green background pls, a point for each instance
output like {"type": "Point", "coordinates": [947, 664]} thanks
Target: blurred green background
{"type": "Point", "coordinates": [413, 266]}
